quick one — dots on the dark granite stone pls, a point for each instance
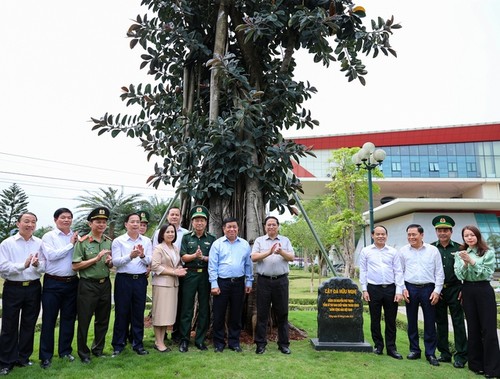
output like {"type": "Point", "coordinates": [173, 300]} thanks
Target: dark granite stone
{"type": "Point", "coordinates": [340, 317]}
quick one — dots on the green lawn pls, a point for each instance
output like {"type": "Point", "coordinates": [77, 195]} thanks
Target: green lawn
{"type": "Point", "coordinates": [304, 362]}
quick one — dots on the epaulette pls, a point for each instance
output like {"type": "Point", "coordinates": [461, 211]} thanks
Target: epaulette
{"type": "Point", "coordinates": [107, 237]}
{"type": "Point", "coordinates": [83, 238]}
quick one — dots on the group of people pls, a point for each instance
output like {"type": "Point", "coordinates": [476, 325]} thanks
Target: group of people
{"type": "Point", "coordinates": [445, 275]}
{"type": "Point", "coordinates": [186, 268]}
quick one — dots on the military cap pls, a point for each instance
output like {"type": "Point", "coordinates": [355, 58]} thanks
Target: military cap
{"type": "Point", "coordinates": [144, 216]}
{"type": "Point", "coordinates": [443, 222]}
{"type": "Point", "coordinates": [98, 213]}
{"type": "Point", "coordinates": [199, 211]}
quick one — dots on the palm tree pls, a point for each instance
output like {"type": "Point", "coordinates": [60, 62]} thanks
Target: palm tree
{"type": "Point", "coordinates": [118, 204]}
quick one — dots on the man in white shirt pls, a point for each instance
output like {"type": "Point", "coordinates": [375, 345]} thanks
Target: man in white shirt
{"type": "Point", "coordinates": [21, 269]}
{"type": "Point", "coordinates": [131, 256]}
{"type": "Point", "coordinates": [424, 278]}
{"type": "Point", "coordinates": [381, 278]}
{"type": "Point", "coordinates": [60, 288]}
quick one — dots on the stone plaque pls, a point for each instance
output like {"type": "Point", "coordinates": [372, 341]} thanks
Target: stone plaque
{"type": "Point", "coordinates": [340, 317]}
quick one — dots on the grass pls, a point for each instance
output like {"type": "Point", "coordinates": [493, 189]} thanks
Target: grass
{"type": "Point", "coordinates": [304, 362]}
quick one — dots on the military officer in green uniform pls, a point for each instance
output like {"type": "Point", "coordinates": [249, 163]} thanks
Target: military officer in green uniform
{"type": "Point", "coordinates": [450, 296]}
{"type": "Point", "coordinates": [143, 228]}
{"type": "Point", "coordinates": [92, 260]}
{"type": "Point", "coordinates": [194, 253]}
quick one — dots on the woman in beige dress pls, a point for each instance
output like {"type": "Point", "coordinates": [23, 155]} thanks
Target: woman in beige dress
{"type": "Point", "coordinates": [166, 267]}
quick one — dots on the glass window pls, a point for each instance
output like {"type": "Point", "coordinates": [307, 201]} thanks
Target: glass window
{"type": "Point", "coordinates": [396, 166]}
{"type": "Point", "coordinates": [471, 166]}
{"type": "Point", "coordinates": [460, 149]}
{"type": "Point", "coordinates": [433, 166]}
{"type": "Point", "coordinates": [452, 166]}
{"type": "Point", "coordinates": [414, 166]}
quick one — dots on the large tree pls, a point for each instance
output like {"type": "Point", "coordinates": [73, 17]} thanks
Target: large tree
{"type": "Point", "coordinates": [13, 202]}
{"type": "Point", "coordinates": [225, 90]}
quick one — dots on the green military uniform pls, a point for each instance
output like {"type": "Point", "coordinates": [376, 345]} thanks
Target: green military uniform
{"type": "Point", "coordinates": [449, 299]}
{"type": "Point", "coordinates": [196, 281]}
{"type": "Point", "coordinates": [94, 291]}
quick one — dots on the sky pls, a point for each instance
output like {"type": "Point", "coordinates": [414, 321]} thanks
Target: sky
{"type": "Point", "coordinates": [63, 62]}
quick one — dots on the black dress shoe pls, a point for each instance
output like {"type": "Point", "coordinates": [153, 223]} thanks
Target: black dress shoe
{"type": "Point", "coordinates": [413, 355]}
{"type": "Point", "coordinates": [284, 350]}
{"type": "Point", "coordinates": [69, 357]}
{"type": "Point", "coordinates": [5, 371]}
{"type": "Point", "coordinates": [201, 346]}
{"type": "Point", "coordinates": [183, 347]}
{"type": "Point", "coordinates": [86, 361]}
{"type": "Point", "coordinates": [236, 348]}
{"type": "Point", "coordinates": [45, 363]}
{"type": "Point", "coordinates": [458, 364]}
{"type": "Point", "coordinates": [394, 354]}
{"type": "Point", "coordinates": [444, 359]}
{"type": "Point", "coordinates": [141, 351]}
{"type": "Point", "coordinates": [219, 349]}
{"type": "Point", "coordinates": [116, 353]}
{"type": "Point", "coordinates": [432, 360]}
{"type": "Point", "coordinates": [260, 350]}
{"type": "Point", "coordinates": [378, 351]}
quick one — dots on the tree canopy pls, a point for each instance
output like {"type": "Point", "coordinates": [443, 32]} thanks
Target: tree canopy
{"type": "Point", "coordinates": [224, 90]}
{"type": "Point", "coordinates": [13, 202]}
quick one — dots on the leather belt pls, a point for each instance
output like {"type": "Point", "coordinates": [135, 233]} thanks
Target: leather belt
{"type": "Point", "coordinates": [65, 279]}
{"type": "Point", "coordinates": [100, 281]}
{"type": "Point", "coordinates": [200, 269]}
{"type": "Point", "coordinates": [452, 284]}
{"type": "Point", "coordinates": [272, 277]}
{"type": "Point", "coordinates": [421, 285]}
{"type": "Point", "coordinates": [233, 280]}
{"type": "Point", "coordinates": [26, 283]}
{"type": "Point", "coordinates": [132, 276]}
{"type": "Point", "coordinates": [382, 285]}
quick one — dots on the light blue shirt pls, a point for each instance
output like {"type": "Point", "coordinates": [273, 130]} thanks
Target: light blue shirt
{"type": "Point", "coordinates": [57, 252]}
{"type": "Point", "coordinates": [121, 249]}
{"type": "Point", "coordinates": [228, 259]}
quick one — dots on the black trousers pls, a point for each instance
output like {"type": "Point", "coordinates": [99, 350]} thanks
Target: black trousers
{"type": "Point", "coordinates": [20, 310]}
{"type": "Point", "coordinates": [58, 297]}
{"type": "Point", "coordinates": [232, 294]}
{"type": "Point", "coordinates": [382, 297]}
{"type": "Point", "coordinates": [94, 299]}
{"type": "Point", "coordinates": [272, 292]}
{"type": "Point", "coordinates": [130, 302]}
{"type": "Point", "coordinates": [481, 314]}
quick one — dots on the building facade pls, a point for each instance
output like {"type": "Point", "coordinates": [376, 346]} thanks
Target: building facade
{"type": "Point", "coordinates": [453, 170]}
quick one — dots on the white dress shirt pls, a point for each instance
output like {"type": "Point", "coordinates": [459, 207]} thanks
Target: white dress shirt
{"type": "Point", "coordinates": [13, 254]}
{"type": "Point", "coordinates": [422, 266]}
{"type": "Point", "coordinates": [122, 247]}
{"type": "Point", "coordinates": [57, 253]}
{"type": "Point", "coordinates": [380, 267]}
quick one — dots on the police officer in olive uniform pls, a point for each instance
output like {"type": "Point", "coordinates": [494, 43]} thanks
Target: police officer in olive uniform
{"type": "Point", "coordinates": [450, 296]}
{"type": "Point", "coordinates": [144, 222]}
{"type": "Point", "coordinates": [194, 253]}
{"type": "Point", "coordinates": [92, 260]}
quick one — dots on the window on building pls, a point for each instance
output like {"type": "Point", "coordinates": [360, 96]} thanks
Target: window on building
{"type": "Point", "coordinates": [452, 166]}
{"type": "Point", "coordinates": [415, 166]}
{"type": "Point", "coordinates": [396, 166]}
{"type": "Point", "coordinates": [433, 167]}
{"type": "Point", "coordinates": [471, 167]}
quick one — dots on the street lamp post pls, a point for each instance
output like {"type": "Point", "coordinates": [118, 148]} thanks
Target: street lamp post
{"type": "Point", "coordinates": [368, 158]}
